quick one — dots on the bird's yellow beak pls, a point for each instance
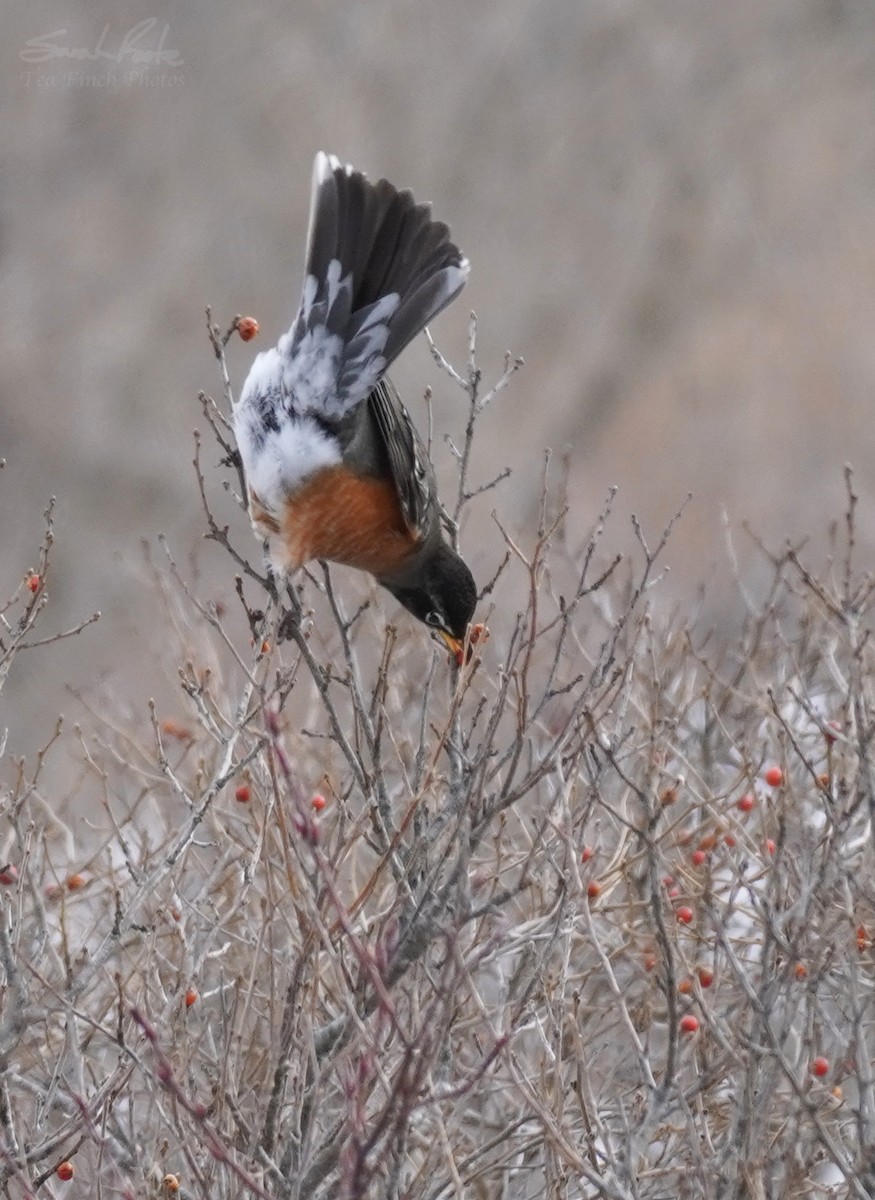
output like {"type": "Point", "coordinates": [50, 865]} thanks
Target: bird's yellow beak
{"type": "Point", "coordinates": [462, 651]}
{"type": "Point", "coordinates": [455, 647]}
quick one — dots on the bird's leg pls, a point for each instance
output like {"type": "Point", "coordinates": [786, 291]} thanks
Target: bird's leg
{"type": "Point", "coordinates": [254, 616]}
{"type": "Point", "coordinates": [291, 618]}
{"type": "Point", "coordinates": [275, 580]}
{"type": "Point", "coordinates": [271, 579]}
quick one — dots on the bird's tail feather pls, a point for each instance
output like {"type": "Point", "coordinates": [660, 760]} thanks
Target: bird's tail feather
{"type": "Point", "coordinates": [378, 269]}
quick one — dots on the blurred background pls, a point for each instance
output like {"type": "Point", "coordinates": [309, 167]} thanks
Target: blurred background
{"type": "Point", "coordinates": [669, 208]}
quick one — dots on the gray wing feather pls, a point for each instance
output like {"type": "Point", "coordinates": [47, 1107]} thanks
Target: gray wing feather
{"type": "Point", "coordinates": [408, 462]}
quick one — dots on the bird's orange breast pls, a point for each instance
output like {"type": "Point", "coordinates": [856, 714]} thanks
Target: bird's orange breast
{"type": "Point", "coordinates": [341, 517]}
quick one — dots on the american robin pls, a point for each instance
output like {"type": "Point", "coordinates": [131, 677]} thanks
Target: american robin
{"type": "Point", "coordinates": [334, 466]}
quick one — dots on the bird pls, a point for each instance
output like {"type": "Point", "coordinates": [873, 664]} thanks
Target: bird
{"type": "Point", "coordinates": [334, 466]}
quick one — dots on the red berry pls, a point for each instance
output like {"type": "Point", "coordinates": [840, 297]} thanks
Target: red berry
{"type": "Point", "coordinates": [673, 892]}
{"type": "Point", "coordinates": [464, 651]}
{"type": "Point", "coordinates": [65, 1171]}
{"type": "Point", "coordinates": [649, 961]}
{"type": "Point", "coordinates": [241, 793]}
{"type": "Point", "coordinates": [33, 582]}
{"type": "Point", "coordinates": [8, 874]}
{"type": "Point", "coordinates": [689, 1023]}
{"type": "Point", "coordinates": [862, 936]}
{"type": "Point", "coordinates": [684, 914]}
{"type": "Point", "coordinates": [319, 803]}
{"type": "Point", "coordinates": [699, 858]}
{"type": "Point", "coordinates": [593, 889]}
{"type": "Point", "coordinates": [820, 1067]}
{"type": "Point", "coordinates": [706, 976]}
{"type": "Point", "coordinates": [729, 840]}
{"type": "Point", "coordinates": [247, 327]}
{"type": "Point", "coordinates": [770, 845]}
{"type": "Point", "coordinates": [175, 729]}
{"type": "Point", "coordinates": [685, 987]}
{"type": "Point", "coordinates": [747, 802]}
{"type": "Point", "coordinates": [75, 882]}
{"type": "Point", "coordinates": [587, 854]}
{"type": "Point", "coordinates": [800, 970]}
{"type": "Point", "coordinates": [190, 997]}
{"type": "Point", "coordinates": [774, 777]}
{"type": "Point", "coordinates": [479, 633]}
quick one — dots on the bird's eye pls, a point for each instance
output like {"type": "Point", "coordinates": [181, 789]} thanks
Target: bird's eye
{"type": "Point", "coordinates": [434, 619]}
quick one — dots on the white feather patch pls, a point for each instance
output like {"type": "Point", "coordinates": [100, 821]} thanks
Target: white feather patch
{"type": "Point", "coordinates": [309, 376]}
{"type": "Point", "coordinates": [277, 462]}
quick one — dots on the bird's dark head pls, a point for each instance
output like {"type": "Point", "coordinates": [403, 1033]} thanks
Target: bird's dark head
{"type": "Point", "coordinates": [441, 593]}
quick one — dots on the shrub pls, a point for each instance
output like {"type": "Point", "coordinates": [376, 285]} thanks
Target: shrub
{"type": "Point", "coordinates": [353, 923]}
